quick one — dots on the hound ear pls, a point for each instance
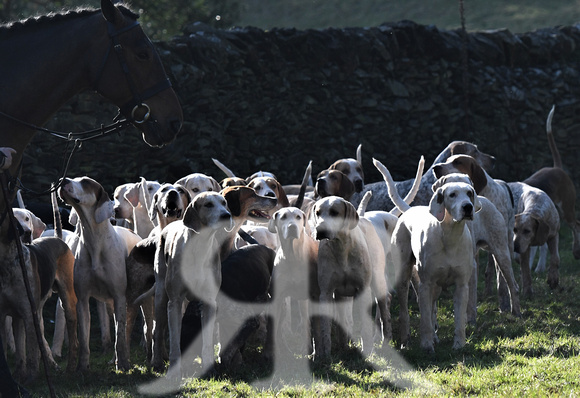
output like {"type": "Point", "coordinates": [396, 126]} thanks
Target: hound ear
{"type": "Point", "coordinates": [185, 191]}
{"type": "Point", "coordinates": [346, 188]}
{"type": "Point", "coordinates": [132, 194]}
{"type": "Point", "coordinates": [104, 211]}
{"type": "Point", "coordinates": [153, 209]}
{"type": "Point", "coordinates": [437, 205]}
{"type": "Point", "coordinates": [478, 177]}
{"type": "Point", "coordinates": [215, 185]}
{"type": "Point", "coordinates": [38, 226]}
{"type": "Point", "coordinates": [476, 202]}
{"type": "Point", "coordinates": [233, 198]}
{"type": "Point", "coordinates": [282, 198]}
{"type": "Point", "coordinates": [272, 223]}
{"type": "Point", "coordinates": [350, 215]}
{"type": "Point", "coordinates": [542, 232]}
{"type": "Point", "coordinates": [191, 219]}
{"type": "Point", "coordinates": [73, 217]}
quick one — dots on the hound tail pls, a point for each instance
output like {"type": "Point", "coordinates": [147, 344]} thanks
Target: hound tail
{"type": "Point", "coordinates": [300, 199]}
{"type": "Point", "coordinates": [362, 206]}
{"type": "Point", "coordinates": [402, 205]}
{"type": "Point", "coordinates": [55, 213]}
{"type": "Point", "coordinates": [223, 168]}
{"type": "Point", "coordinates": [553, 148]}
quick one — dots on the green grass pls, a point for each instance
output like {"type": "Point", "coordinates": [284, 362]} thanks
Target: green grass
{"type": "Point", "coordinates": [535, 355]}
{"type": "Point", "coordinates": [516, 15]}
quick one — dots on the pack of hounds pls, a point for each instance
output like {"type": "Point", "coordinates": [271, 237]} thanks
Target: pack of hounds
{"type": "Point", "coordinates": [199, 262]}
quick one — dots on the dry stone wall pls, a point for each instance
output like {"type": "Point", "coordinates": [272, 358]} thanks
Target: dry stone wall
{"type": "Point", "coordinates": [273, 100]}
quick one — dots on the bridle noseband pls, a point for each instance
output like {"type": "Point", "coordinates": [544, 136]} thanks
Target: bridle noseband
{"type": "Point", "coordinates": [137, 103]}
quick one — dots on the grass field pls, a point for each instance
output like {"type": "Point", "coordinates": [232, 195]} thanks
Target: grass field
{"type": "Point", "coordinates": [534, 356]}
{"type": "Point", "coordinates": [516, 15]}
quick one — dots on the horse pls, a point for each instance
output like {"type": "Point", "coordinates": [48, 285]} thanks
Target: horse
{"type": "Point", "coordinates": [47, 60]}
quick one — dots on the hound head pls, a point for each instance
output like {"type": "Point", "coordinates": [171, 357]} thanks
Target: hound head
{"type": "Point", "coordinates": [141, 193]}
{"type": "Point", "coordinates": [288, 222]}
{"type": "Point", "coordinates": [467, 148]}
{"type": "Point", "coordinates": [121, 205]}
{"type": "Point", "coordinates": [352, 168]}
{"type": "Point", "coordinates": [464, 164]}
{"type": "Point", "coordinates": [529, 230]}
{"type": "Point", "coordinates": [333, 183]}
{"type": "Point", "coordinates": [245, 204]}
{"type": "Point", "coordinates": [87, 197]}
{"type": "Point", "coordinates": [270, 187]}
{"type": "Point", "coordinates": [232, 182]}
{"type": "Point", "coordinates": [197, 183]}
{"type": "Point", "coordinates": [455, 201]}
{"type": "Point", "coordinates": [32, 226]}
{"type": "Point", "coordinates": [169, 202]}
{"type": "Point", "coordinates": [333, 215]}
{"type": "Point", "coordinates": [208, 210]}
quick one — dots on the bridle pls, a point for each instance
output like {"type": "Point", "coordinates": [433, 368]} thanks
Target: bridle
{"type": "Point", "coordinates": [138, 101]}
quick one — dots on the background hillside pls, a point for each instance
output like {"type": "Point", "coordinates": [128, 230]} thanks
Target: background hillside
{"type": "Point", "coordinates": [517, 15]}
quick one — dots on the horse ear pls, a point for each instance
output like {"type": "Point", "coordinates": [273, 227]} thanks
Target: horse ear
{"type": "Point", "coordinates": [110, 12]}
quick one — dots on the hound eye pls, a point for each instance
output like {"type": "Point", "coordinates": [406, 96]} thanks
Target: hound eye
{"type": "Point", "coordinates": [470, 194]}
{"type": "Point", "coordinates": [283, 217]}
{"type": "Point", "coordinates": [195, 189]}
{"type": "Point", "coordinates": [333, 213]}
{"type": "Point", "coordinates": [452, 195]}
{"type": "Point", "coordinates": [209, 205]}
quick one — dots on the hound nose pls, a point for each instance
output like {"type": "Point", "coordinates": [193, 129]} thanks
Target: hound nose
{"type": "Point", "coordinates": [468, 210]}
{"type": "Point", "coordinates": [175, 125]}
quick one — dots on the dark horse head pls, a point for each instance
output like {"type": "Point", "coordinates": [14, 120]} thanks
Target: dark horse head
{"type": "Point", "coordinates": [132, 76]}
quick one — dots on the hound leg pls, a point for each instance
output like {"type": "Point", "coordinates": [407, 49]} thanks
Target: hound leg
{"type": "Point", "coordinates": [383, 298]}
{"type": "Point", "coordinates": [157, 360]}
{"type": "Point", "coordinates": [148, 312]}
{"type": "Point", "coordinates": [506, 270]}
{"type": "Point", "coordinates": [472, 301]}
{"type": "Point", "coordinates": [363, 304]}
{"type": "Point", "coordinates": [541, 266]}
{"type": "Point", "coordinates": [20, 337]}
{"type": "Point", "coordinates": [59, 328]}
{"type": "Point", "coordinates": [208, 314]}
{"type": "Point", "coordinates": [326, 310]}
{"type": "Point", "coordinates": [105, 324]}
{"type": "Point", "coordinates": [553, 272]}
{"type": "Point", "coordinates": [174, 325]}
{"type": "Point", "coordinates": [426, 299]}
{"type": "Point", "coordinates": [526, 275]}
{"type": "Point", "coordinates": [84, 319]}
{"type": "Point", "coordinates": [460, 298]}
{"type": "Point", "coordinates": [121, 351]}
